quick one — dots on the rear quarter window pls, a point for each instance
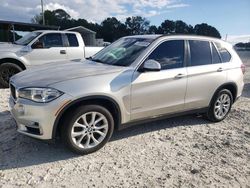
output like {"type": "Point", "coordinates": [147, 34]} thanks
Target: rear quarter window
{"type": "Point", "coordinates": [73, 42]}
{"type": "Point", "coordinates": [225, 55]}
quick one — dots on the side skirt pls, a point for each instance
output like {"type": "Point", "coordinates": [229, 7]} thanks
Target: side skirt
{"type": "Point", "coordinates": [161, 117]}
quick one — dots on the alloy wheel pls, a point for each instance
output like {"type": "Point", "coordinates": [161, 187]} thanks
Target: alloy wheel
{"type": "Point", "coordinates": [89, 130]}
{"type": "Point", "coordinates": [222, 106]}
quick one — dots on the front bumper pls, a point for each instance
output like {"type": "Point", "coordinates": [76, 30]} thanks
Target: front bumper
{"type": "Point", "coordinates": [36, 119]}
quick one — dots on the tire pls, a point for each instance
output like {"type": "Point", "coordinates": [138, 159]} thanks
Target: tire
{"type": "Point", "coordinates": [220, 106]}
{"type": "Point", "coordinates": [84, 137]}
{"type": "Point", "coordinates": [7, 70]}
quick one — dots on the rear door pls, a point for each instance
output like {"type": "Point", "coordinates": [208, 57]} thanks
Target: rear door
{"type": "Point", "coordinates": [161, 92]}
{"type": "Point", "coordinates": [205, 74]}
{"type": "Point", "coordinates": [75, 51]}
{"type": "Point", "coordinates": [51, 50]}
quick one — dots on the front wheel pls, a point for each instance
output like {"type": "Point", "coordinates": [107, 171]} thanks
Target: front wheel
{"type": "Point", "coordinates": [87, 129]}
{"type": "Point", "coordinates": [7, 70]}
{"type": "Point", "coordinates": [220, 106]}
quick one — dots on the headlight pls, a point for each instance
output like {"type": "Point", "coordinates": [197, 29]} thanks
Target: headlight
{"type": "Point", "coordinates": [42, 95]}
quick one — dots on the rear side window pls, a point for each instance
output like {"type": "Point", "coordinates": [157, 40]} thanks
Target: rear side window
{"type": "Point", "coordinates": [225, 55]}
{"type": "Point", "coordinates": [73, 42]}
{"type": "Point", "coordinates": [52, 40]}
{"type": "Point", "coordinates": [200, 53]}
{"type": "Point", "coordinates": [169, 54]}
{"type": "Point", "coordinates": [215, 54]}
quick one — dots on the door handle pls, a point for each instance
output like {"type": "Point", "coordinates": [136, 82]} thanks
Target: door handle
{"type": "Point", "coordinates": [220, 69]}
{"type": "Point", "coordinates": [178, 76]}
{"type": "Point", "coordinates": [62, 51]}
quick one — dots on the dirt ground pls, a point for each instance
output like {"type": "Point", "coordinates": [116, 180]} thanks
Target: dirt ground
{"type": "Point", "coordinates": [177, 152]}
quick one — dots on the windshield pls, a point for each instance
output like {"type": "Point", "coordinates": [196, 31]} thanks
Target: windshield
{"type": "Point", "coordinates": [27, 38]}
{"type": "Point", "coordinates": [123, 52]}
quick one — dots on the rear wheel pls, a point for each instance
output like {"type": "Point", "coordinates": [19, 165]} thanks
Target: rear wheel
{"type": "Point", "coordinates": [87, 129]}
{"type": "Point", "coordinates": [220, 105]}
{"type": "Point", "coordinates": [7, 70]}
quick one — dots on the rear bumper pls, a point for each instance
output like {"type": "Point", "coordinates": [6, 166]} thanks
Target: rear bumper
{"type": "Point", "coordinates": [240, 90]}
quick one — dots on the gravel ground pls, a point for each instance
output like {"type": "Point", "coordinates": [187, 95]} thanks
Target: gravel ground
{"type": "Point", "coordinates": [178, 152]}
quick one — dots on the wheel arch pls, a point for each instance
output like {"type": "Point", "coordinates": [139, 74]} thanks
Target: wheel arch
{"type": "Point", "coordinates": [104, 101]}
{"type": "Point", "coordinates": [12, 60]}
{"type": "Point", "coordinates": [231, 86]}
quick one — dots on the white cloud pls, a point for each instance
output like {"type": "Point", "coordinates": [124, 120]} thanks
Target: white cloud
{"type": "Point", "coordinates": [238, 38]}
{"type": "Point", "coordinates": [78, 1]}
{"type": "Point", "coordinates": [152, 3]}
{"type": "Point", "coordinates": [91, 10]}
{"type": "Point", "coordinates": [181, 5]}
{"type": "Point", "coordinates": [5, 4]}
{"type": "Point", "coordinates": [54, 6]}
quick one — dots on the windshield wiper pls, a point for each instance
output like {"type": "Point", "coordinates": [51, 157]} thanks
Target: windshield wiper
{"type": "Point", "coordinates": [95, 60]}
{"type": "Point", "coordinates": [98, 60]}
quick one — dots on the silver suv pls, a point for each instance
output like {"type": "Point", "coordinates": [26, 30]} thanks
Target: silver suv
{"type": "Point", "coordinates": [134, 79]}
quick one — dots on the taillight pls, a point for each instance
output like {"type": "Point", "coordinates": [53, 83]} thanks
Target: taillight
{"type": "Point", "coordinates": [243, 68]}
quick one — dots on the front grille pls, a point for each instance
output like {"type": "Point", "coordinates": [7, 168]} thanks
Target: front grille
{"type": "Point", "coordinates": [13, 91]}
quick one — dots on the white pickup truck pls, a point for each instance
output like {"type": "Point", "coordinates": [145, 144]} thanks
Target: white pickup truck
{"type": "Point", "coordinates": [41, 47]}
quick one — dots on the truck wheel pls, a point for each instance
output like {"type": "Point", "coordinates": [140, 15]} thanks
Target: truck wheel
{"type": "Point", "coordinates": [220, 105]}
{"type": "Point", "coordinates": [87, 129]}
{"type": "Point", "coordinates": [7, 70]}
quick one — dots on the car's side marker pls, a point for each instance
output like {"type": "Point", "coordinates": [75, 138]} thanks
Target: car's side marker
{"type": "Point", "coordinates": [59, 110]}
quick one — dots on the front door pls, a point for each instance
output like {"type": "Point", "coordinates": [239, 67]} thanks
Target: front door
{"type": "Point", "coordinates": [161, 92]}
{"type": "Point", "coordinates": [49, 48]}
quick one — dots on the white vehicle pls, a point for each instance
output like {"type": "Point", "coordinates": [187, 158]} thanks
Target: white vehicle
{"type": "Point", "coordinates": [41, 47]}
{"type": "Point", "coordinates": [135, 79]}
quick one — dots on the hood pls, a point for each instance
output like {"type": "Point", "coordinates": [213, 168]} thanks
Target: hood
{"type": "Point", "coordinates": [46, 75]}
{"type": "Point", "coordinates": [9, 47]}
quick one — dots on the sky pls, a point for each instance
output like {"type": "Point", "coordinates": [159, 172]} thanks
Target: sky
{"type": "Point", "coordinates": [230, 17]}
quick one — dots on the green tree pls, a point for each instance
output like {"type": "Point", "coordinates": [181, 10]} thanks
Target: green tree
{"type": "Point", "coordinates": [167, 27]}
{"type": "Point", "coordinates": [61, 14]}
{"type": "Point", "coordinates": [137, 25]}
{"type": "Point", "coordinates": [182, 28]}
{"type": "Point", "coordinates": [57, 17]}
{"type": "Point", "coordinates": [242, 44]}
{"type": "Point", "coordinates": [206, 30]}
{"type": "Point", "coordinates": [175, 27]}
{"type": "Point", "coordinates": [111, 29]}
{"type": "Point", "coordinates": [152, 30]}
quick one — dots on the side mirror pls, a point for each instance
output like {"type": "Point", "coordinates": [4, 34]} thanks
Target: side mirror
{"type": "Point", "coordinates": [151, 65]}
{"type": "Point", "coordinates": [37, 45]}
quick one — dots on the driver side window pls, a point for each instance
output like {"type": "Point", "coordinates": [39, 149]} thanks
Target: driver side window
{"type": "Point", "coordinates": [169, 54]}
{"type": "Point", "coordinates": [51, 40]}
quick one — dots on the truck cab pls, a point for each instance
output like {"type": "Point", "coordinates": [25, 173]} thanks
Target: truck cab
{"type": "Point", "coordinates": [39, 48]}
